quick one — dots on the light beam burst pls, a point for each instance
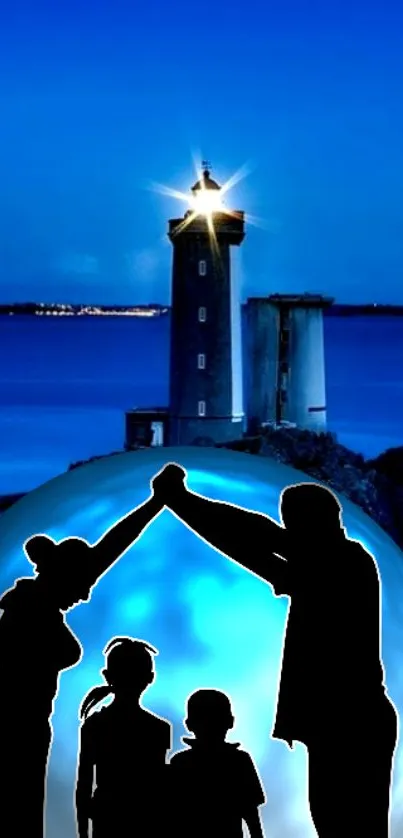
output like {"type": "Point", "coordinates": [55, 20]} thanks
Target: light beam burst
{"type": "Point", "coordinates": [208, 202]}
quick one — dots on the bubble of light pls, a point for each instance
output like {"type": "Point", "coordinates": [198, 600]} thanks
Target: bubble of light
{"type": "Point", "coordinates": [213, 623]}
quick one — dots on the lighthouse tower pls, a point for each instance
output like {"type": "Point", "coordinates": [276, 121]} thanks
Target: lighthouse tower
{"type": "Point", "coordinates": [205, 397]}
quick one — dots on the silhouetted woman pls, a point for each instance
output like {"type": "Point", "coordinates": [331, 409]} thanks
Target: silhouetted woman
{"type": "Point", "coordinates": [36, 645]}
{"type": "Point", "coordinates": [123, 750]}
{"type": "Point", "coordinates": [332, 695]}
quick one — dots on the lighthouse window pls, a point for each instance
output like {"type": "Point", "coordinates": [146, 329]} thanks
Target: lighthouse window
{"type": "Point", "coordinates": [202, 408]}
{"type": "Point", "coordinates": [202, 314]}
{"type": "Point", "coordinates": [285, 317]}
{"type": "Point", "coordinates": [201, 362]}
{"type": "Point", "coordinates": [202, 268]}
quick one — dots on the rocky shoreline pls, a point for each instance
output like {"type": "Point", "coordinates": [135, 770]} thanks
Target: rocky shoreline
{"type": "Point", "coordinates": [374, 485]}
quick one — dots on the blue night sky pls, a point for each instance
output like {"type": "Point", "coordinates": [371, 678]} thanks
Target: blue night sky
{"type": "Point", "coordinates": [99, 100]}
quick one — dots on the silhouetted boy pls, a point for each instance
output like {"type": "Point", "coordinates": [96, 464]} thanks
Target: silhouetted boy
{"type": "Point", "coordinates": [123, 750]}
{"type": "Point", "coordinates": [214, 785]}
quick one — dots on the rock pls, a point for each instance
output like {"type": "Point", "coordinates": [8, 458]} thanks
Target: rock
{"type": "Point", "coordinates": [390, 464]}
{"type": "Point", "coordinates": [374, 485]}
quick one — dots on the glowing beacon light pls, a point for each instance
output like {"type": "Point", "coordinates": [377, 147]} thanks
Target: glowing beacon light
{"type": "Point", "coordinates": [206, 194]}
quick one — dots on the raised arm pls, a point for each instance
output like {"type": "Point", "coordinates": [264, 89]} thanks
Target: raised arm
{"type": "Point", "coordinates": [98, 557]}
{"type": "Point", "coordinates": [249, 538]}
{"type": "Point", "coordinates": [84, 782]}
{"type": "Point", "coordinates": [124, 533]}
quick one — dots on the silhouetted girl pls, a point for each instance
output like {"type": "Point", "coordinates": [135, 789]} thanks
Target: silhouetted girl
{"type": "Point", "coordinates": [121, 770]}
{"type": "Point", "coordinates": [36, 645]}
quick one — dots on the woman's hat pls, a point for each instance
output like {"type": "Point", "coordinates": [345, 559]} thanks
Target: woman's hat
{"type": "Point", "coordinates": [70, 554]}
{"type": "Point", "coordinates": [40, 550]}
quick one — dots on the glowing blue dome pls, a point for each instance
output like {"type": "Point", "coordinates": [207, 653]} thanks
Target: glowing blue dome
{"type": "Point", "coordinates": [213, 623]}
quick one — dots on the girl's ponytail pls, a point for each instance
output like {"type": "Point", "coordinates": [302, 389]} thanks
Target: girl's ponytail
{"type": "Point", "coordinates": [93, 698]}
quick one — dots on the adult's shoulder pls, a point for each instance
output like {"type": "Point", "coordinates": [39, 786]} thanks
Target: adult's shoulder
{"type": "Point", "coordinates": [23, 595]}
{"type": "Point", "coordinates": [24, 605]}
{"type": "Point", "coordinates": [359, 550]}
{"type": "Point", "coordinates": [361, 558]}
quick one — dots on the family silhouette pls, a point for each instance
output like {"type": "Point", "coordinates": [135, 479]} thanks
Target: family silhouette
{"type": "Point", "coordinates": [332, 696]}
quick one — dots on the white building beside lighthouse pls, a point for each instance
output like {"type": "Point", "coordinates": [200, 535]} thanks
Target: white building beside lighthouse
{"type": "Point", "coordinates": [286, 380]}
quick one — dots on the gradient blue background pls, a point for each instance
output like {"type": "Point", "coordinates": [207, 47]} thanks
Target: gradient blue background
{"type": "Point", "coordinates": [98, 100]}
{"type": "Point", "coordinates": [213, 623]}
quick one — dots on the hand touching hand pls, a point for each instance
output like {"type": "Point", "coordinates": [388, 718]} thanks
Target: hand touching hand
{"type": "Point", "coordinates": [168, 482]}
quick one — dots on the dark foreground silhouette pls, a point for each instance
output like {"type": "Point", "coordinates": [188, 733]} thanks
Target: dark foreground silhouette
{"type": "Point", "coordinates": [123, 750]}
{"type": "Point", "coordinates": [214, 786]}
{"type": "Point", "coordinates": [36, 646]}
{"type": "Point", "coordinates": [332, 695]}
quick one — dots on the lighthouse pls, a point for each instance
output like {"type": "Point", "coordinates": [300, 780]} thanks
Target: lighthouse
{"type": "Point", "coordinates": [205, 390]}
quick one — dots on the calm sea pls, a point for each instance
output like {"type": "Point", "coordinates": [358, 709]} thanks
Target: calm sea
{"type": "Point", "coordinates": [66, 382]}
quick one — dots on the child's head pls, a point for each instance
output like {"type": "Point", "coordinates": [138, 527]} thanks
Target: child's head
{"type": "Point", "coordinates": [128, 672]}
{"type": "Point", "coordinates": [209, 715]}
{"type": "Point", "coordinates": [129, 665]}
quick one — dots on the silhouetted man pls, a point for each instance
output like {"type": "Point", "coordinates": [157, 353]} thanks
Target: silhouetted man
{"type": "Point", "coordinates": [214, 785]}
{"type": "Point", "coordinates": [332, 695]}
